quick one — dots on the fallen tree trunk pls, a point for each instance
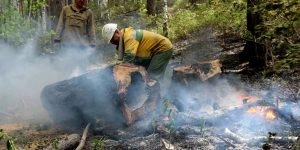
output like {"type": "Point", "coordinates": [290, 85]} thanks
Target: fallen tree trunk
{"type": "Point", "coordinates": [100, 95]}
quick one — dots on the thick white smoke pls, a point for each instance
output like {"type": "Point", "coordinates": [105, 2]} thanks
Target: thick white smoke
{"type": "Point", "coordinates": [24, 73]}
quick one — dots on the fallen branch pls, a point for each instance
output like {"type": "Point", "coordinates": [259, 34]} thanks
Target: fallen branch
{"type": "Point", "coordinates": [83, 138]}
{"type": "Point", "coordinates": [234, 136]}
{"type": "Point", "coordinates": [276, 139]}
{"type": "Point", "coordinates": [68, 143]}
{"type": "Point", "coordinates": [7, 114]}
{"type": "Point", "coordinates": [227, 142]}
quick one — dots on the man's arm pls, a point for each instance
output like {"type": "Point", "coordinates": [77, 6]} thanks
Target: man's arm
{"type": "Point", "coordinates": [131, 47]}
{"type": "Point", "coordinates": [91, 30]}
{"type": "Point", "coordinates": [60, 26]}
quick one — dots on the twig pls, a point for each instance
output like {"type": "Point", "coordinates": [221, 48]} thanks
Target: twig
{"type": "Point", "coordinates": [7, 114]}
{"type": "Point", "coordinates": [234, 136]}
{"type": "Point", "coordinates": [83, 138]}
{"type": "Point", "coordinates": [227, 142]}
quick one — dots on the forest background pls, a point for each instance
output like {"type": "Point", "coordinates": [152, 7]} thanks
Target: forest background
{"type": "Point", "coordinates": [271, 29]}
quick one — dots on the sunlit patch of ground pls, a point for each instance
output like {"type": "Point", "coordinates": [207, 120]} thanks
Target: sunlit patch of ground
{"type": "Point", "coordinates": [31, 136]}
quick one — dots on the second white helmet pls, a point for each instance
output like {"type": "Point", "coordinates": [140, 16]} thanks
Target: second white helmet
{"type": "Point", "coordinates": [108, 31]}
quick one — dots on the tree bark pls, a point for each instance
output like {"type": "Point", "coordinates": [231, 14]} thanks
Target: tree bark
{"type": "Point", "coordinates": [254, 52]}
{"type": "Point", "coordinates": [165, 25]}
{"type": "Point", "coordinates": [151, 5]}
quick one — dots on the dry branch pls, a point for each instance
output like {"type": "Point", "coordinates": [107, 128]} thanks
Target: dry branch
{"type": "Point", "coordinates": [83, 138]}
{"type": "Point", "coordinates": [227, 142]}
{"type": "Point", "coordinates": [7, 114]}
{"type": "Point", "coordinates": [277, 139]}
{"type": "Point", "coordinates": [234, 136]}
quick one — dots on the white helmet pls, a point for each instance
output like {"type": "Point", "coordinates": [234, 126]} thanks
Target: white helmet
{"type": "Point", "coordinates": [108, 31]}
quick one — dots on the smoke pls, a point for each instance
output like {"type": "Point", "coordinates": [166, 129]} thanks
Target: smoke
{"type": "Point", "coordinates": [25, 72]}
{"type": "Point", "coordinates": [220, 103]}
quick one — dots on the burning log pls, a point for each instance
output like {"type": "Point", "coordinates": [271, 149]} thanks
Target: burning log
{"type": "Point", "coordinates": [117, 94]}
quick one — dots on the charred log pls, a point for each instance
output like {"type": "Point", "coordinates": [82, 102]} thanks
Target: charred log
{"type": "Point", "coordinates": [101, 95]}
{"type": "Point", "coordinates": [187, 76]}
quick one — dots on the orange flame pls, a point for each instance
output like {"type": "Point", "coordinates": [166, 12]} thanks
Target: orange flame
{"type": "Point", "coordinates": [270, 114]}
{"type": "Point", "coordinates": [264, 111]}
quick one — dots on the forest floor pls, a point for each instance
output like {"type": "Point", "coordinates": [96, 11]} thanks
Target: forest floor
{"type": "Point", "coordinates": [234, 85]}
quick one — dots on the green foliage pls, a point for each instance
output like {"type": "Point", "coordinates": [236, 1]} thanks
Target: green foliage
{"type": "Point", "coordinates": [98, 143]}
{"type": "Point", "coordinates": [45, 42]}
{"type": "Point", "coordinates": [14, 28]}
{"type": "Point", "coordinates": [202, 127]}
{"type": "Point", "coordinates": [279, 32]}
{"type": "Point", "coordinates": [185, 18]}
{"type": "Point", "coordinates": [55, 144]}
{"type": "Point", "coordinates": [10, 145]}
{"type": "Point", "coordinates": [170, 126]}
{"type": "Point", "coordinates": [182, 22]}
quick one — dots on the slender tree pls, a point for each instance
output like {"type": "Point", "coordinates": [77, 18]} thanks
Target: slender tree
{"type": "Point", "coordinates": [151, 5]}
{"type": "Point", "coordinates": [166, 18]}
{"type": "Point", "coordinates": [254, 51]}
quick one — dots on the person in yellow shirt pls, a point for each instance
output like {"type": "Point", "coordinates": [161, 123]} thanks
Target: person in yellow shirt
{"type": "Point", "coordinates": [140, 47]}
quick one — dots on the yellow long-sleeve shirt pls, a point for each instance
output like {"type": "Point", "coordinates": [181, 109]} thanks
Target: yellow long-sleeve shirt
{"type": "Point", "coordinates": [143, 44]}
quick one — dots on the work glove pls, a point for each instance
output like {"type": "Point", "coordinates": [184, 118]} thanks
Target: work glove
{"type": "Point", "coordinates": [117, 62]}
{"type": "Point", "coordinates": [56, 46]}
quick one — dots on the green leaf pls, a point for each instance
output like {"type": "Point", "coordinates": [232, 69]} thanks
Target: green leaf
{"type": "Point", "coordinates": [1, 136]}
{"type": "Point", "coordinates": [10, 145]}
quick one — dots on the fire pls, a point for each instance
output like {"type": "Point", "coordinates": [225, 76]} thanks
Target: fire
{"type": "Point", "coordinates": [265, 111]}
{"type": "Point", "coordinates": [270, 114]}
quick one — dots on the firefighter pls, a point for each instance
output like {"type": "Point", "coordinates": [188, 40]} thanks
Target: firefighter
{"type": "Point", "coordinates": [75, 28]}
{"type": "Point", "coordinates": [140, 47]}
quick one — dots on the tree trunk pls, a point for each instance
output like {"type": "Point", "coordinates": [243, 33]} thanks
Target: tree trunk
{"type": "Point", "coordinates": [43, 18]}
{"type": "Point", "coordinates": [254, 52]}
{"type": "Point", "coordinates": [165, 25]}
{"type": "Point", "coordinates": [104, 14]}
{"type": "Point", "coordinates": [151, 5]}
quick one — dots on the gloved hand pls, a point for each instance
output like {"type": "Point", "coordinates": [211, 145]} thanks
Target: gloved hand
{"type": "Point", "coordinates": [56, 46]}
{"type": "Point", "coordinates": [117, 62]}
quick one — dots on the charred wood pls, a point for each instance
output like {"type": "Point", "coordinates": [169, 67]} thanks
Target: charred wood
{"type": "Point", "coordinates": [202, 71]}
{"type": "Point", "coordinates": [102, 94]}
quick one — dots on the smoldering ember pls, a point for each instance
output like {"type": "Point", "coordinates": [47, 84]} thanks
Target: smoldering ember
{"type": "Point", "coordinates": [232, 82]}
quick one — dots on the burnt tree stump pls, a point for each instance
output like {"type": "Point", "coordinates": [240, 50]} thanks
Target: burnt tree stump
{"type": "Point", "coordinates": [115, 95]}
{"type": "Point", "coordinates": [202, 71]}
{"type": "Point", "coordinates": [186, 77]}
